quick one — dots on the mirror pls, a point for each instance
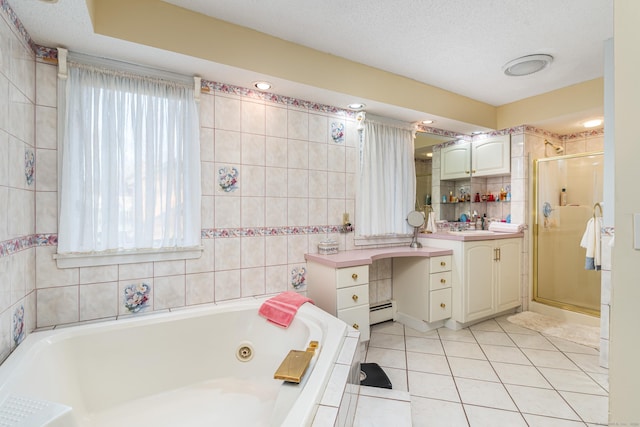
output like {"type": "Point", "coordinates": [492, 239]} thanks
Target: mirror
{"type": "Point", "coordinates": [416, 220]}
{"type": "Point", "coordinates": [423, 149]}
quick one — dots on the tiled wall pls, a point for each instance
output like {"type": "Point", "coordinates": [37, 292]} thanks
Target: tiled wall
{"type": "Point", "coordinates": [17, 186]}
{"type": "Point", "coordinates": [294, 168]}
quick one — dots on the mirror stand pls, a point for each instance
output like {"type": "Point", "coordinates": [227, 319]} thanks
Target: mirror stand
{"type": "Point", "coordinates": [416, 220]}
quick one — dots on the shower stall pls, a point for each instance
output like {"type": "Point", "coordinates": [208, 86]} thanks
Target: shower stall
{"type": "Point", "coordinates": [567, 193]}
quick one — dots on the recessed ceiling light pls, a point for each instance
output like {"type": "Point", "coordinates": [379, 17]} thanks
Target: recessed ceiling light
{"type": "Point", "coordinates": [262, 85]}
{"type": "Point", "coordinates": [592, 123]}
{"type": "Point", "coordinates": [428, 122]}
{"type": "Point", "coordinates": [526, 65]}
{"type": "Point", "coordinates": [356, 106]}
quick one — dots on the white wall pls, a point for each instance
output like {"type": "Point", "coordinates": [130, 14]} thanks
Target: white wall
{"type": "Point", "coordinates": [625, 316]}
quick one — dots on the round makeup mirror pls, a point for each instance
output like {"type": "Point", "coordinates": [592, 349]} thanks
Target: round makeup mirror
{"type": "Point", "coordinates": [416, 220]}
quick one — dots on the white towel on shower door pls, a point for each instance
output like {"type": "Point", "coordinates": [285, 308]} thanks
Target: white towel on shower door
{"type": "Point", "coordinates": [591, 241]}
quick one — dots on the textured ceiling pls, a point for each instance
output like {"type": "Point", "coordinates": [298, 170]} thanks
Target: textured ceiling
{"type": "Point", "coordinates": [457, 45]}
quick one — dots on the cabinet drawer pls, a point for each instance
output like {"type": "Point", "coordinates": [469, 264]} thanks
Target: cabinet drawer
{"type": "Point", "coordinates": [351, 276]}
{"type": "Point", "coordinates": [352, 296]}
{"type": "Point", "coordinates": [439, 280]}
{"type": "Point", "coordinates": [438, 264]}
{"type": "Point", "coordinates": [440, 304]}
{"type": "Point", "coordinates": [357, 318]}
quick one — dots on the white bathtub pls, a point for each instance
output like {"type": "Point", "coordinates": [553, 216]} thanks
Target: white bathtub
{"type": "Point", "coordinates": [172, 369]}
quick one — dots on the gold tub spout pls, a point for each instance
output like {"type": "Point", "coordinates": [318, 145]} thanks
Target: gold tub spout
{"type": "Point", "coordinates": [295, 364]}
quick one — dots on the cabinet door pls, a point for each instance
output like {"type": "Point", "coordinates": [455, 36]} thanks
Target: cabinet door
{"type": "Point", "coordinates": [455, 161]}
{"type": "Point", "coordinates": [477, 287]}
{"type": "Point", "coordinates": [491, 156]}
{"type": "Point", "coordinates": [440, 305]}
{"type": "Point", "coordinates": [508, 273]}
{"type": "Point", "coordinates": [357, 318]}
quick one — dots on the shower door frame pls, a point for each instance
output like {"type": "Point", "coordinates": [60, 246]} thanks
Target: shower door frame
{"type": "Point", "coordinates": [534, 296]}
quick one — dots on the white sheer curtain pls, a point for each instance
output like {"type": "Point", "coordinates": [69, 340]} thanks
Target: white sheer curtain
{"type": "Point", "coordinates": [387, 180]}
{"type": "Point", "coordinates": [130, 166]}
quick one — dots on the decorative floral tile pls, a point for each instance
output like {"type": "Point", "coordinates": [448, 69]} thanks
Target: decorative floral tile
{"type": "Point", "coordinates": [214, 233]}
{"type": "Point", "coordinates": [29, 165]}
{"type": "Point", "coordinates": [228, 178]}
{"type": "Point", "coordinates": [298, 277]}
{"type": "Point", "coordinates": [337, 132]}
{"type": "Point", "coordinates": [48, 54]}
{"type": "Point", "coordinates": [211, 86]}
{"type": "Point", "coordinates": [136, 296]}
{"type": "Point", "coordinates": [18, 325]}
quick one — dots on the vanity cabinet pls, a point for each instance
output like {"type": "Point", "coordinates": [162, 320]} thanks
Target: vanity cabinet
{"type": "Point", "coordinates": [422, 287]}
{"type": "Point", "coordinates": [342, 292]}
{"type": "Point", "coordinates": [485, 277]}
{"type": "Point", "coordinates": [485, 157]}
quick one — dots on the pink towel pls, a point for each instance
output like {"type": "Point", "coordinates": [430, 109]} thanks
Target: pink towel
{"type": "Point", "coordinates": [282, 308]}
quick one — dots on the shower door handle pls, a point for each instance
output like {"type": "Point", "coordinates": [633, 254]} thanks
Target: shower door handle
{"type": "Point", "coordinates": [498, 254]}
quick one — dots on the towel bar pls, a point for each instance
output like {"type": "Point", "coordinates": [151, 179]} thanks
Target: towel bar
{"type": "Point", "coordinates": [599, 206]}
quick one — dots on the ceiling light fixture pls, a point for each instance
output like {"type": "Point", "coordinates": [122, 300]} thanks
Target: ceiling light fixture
{"type": "Point", "coordinates": [356, 106]}
{"type": "Point", "coordinates": [592, 123]}
{"type": "Point", "coordinates": [262, 85]}
{"type": "Point", "coordinates": [428, 122]}
{"type": "Point", "coordinates": [526, 65]}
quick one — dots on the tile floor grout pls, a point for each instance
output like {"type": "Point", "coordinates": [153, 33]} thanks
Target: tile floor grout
{"type": "Point", "coordinates": [506, 391]}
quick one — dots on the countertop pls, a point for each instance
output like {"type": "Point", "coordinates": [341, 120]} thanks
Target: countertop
{"type": "Point", "coordinates": [367, 256]}
{"type": "Point", "coordinates": [470, 236]}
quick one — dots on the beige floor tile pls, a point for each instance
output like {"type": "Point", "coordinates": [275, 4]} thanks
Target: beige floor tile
{"type": "Point", "coordinates": [490, 417]}
{"type": "Point", "coordinates": [436, 413]}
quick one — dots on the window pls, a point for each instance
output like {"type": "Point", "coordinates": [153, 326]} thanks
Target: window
{"type": "Point", "coordinates": [129, 167]}
{"type": "Point", "coordinates": [386, 182]}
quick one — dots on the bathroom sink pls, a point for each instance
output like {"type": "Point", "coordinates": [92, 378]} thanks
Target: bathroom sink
{"type": "Point", "coordinates": [472, 232]}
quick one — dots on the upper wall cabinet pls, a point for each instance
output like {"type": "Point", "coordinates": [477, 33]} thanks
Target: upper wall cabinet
{"type": "Point", "coordinates": [491, 156]}
{"type": "Point", "coordinates": [485, 157]}
{"type": "Point", "coordinates": [455, 161]}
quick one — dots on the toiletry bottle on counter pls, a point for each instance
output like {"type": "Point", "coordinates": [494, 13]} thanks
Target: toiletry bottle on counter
{"type": "Point", "coordinates": [563, 197]}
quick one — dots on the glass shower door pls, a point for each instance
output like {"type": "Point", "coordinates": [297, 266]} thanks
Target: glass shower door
{"type": "Point", "coordinates": [560, 278]}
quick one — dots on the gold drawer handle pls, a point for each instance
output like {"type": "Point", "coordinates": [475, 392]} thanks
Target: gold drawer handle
{"type": "Point", "coordinates": [356, 326]}
{"type": "Point", "coordinates": [466, 171]}
{"type": "Point", "coordinates": [354, 276]}
{"type": "Point", "coordinates": [354, 298]}
{"type": "Point", "coordinates": [443, 280]}
{"type": "Point", "coordinates": [442, 263]}
{"type": "Point", "coordinates": [442, 305]}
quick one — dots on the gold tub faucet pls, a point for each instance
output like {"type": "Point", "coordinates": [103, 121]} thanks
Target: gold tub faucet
{"type": "Point", "coordinates": [295, 364]}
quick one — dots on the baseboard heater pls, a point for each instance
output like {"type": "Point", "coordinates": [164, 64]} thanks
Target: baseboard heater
{"type": "Point", "coordinates": [382, 312]}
